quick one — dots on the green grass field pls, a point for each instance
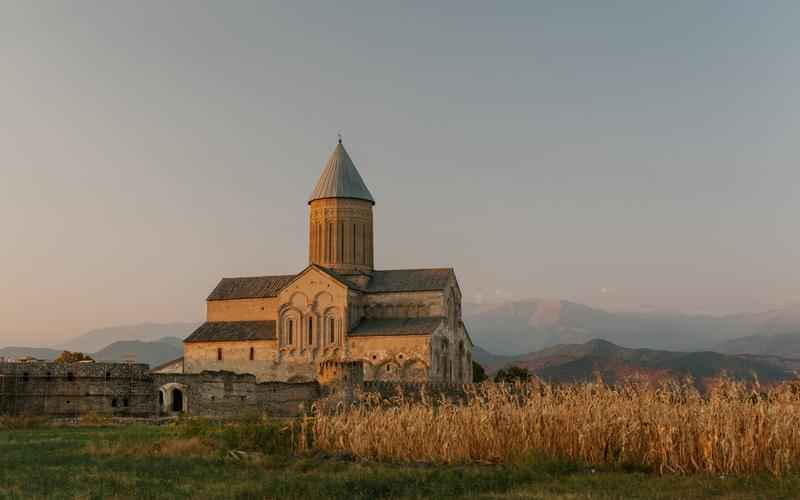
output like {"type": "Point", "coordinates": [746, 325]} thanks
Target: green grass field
{"type": "Point", "coordinates": [157, 462]}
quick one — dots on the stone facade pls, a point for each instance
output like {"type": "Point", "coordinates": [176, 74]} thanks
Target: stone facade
{"type": "Point", "coordinates": [403, 325]}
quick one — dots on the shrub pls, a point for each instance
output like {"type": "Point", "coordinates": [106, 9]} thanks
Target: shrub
{"type": "Point", "coordinates": [478, 373]}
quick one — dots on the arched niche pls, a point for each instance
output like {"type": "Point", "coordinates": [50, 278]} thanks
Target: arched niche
{"type": "Point", "coordinates": [332, 326]}
{"type": "Point", "coordinates": [290, 328]}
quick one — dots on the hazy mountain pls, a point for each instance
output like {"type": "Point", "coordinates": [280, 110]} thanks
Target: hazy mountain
{"type": "Point", "coordinates": [35, 352]}
{"type": "Point", "coordinates": [152, 353]}
{"type": "Point", "coordinates": [487, 359]}
{"type": "Point", "coordinates": [784, 345]}
{"type": "Point", "coordinates": [525, 326]}
{"type": "Point", "coordinates": [175, 341]}
{"type": "Point", "coordinates": [580, 362]}
{"type": "Point", "coordinates": [97, 339]}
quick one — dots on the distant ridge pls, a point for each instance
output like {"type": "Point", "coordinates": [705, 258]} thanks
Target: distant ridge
{"type": "Point", "coordinates": [582, 362]}
{"type": "Point", "coordinates": [152, 353]}
{"type": "Point", "coordinates": [512, 328]}
{"type": "Point", "coordinates": [151, 343]}
{"type": "Point", "coordinates": [95, 340]}
{"type": "Point", "coordinates": [781, 344]}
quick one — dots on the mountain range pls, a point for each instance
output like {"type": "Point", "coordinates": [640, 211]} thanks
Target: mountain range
{"type": "Point", "coordinates": [581, 362]}
{"type": "Point", "coordinates": [150, 343]}
{"type": "Point", "coordinates": [548, 331]}
{"type": "Point", "coordinates": [524, 326]}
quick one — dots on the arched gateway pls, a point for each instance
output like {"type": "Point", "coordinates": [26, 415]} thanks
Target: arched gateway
{"type": "Point", "coordinates": [172, 398]}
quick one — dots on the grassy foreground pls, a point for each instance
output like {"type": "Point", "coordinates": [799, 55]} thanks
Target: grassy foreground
{"type": "Point", "coordinates": [168, 462]}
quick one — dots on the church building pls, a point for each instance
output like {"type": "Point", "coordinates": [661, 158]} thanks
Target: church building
{"type": "Point", "coordinates": [403, 324]}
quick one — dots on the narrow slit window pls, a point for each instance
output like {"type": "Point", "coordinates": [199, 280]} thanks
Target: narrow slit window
{"type": "Point", "coordinates": [219, 353]}
{"type": "Point", "coordinates": [252, 353]}
{"type": "Point", "coordinates": [291, 332]}
{"type": "Point", "coordinates": [310, 331]}
{"type": "Point", "coordinates": [331, 329]}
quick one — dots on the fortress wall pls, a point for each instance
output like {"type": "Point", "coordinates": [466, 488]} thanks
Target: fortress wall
{"type": "Point", "coordinates": [55, 389]}
{"type": "Point", "coordinates": [227, 394]}
{"type": "Point", "coordinates": [114, 389]}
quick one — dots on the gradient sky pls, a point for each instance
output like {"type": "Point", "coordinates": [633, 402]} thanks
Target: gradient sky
{"type": "Point", "coordinates": [627, 155]}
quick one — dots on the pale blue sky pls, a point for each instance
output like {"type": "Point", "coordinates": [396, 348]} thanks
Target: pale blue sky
{"type": "Point", "coordinates": [622, 154]}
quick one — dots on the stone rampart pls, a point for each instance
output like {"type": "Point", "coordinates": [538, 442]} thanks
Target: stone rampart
{"type": "Point", "coordinates": [74, 389]}
{"type": "Point", "coordinates": [131, 390]}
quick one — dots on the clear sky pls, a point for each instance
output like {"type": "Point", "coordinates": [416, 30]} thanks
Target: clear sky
{"type": "Point", "coordinates": [626, 155]}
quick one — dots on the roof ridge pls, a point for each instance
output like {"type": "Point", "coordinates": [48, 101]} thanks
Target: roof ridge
{"type": "Point", "coordinates": [258, 277]}
{"type": "Point", "coordinates": [416, 269]}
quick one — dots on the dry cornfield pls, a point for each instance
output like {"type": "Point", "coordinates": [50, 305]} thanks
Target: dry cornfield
{"type": "Point", "coordinates": [671, 428]}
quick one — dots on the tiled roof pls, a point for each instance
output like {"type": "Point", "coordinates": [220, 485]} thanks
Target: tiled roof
{"type": "Point", "coordinates": [396, 326]}
{"type": "Point", "coordinates": [233, 330]}
{"type": "Point", "coordinates": [409, 280]}
{"type": "Point", "coordinates": [250, 288]}
{"type": "Point", "coordinates": [340, 179]}
{"type": "Point", "coordinates": [394, 280]}
{"type": "Point", "coordinates": [166, 364]}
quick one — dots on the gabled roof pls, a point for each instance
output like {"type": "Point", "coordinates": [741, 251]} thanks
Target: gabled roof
{"type": "Point", "coordinates": [233, 330]}
{"type": "Point", "coordinates": [255, 287]}
{"type": "Point", "coordinates": [396, 326]}
{"type": "Point", "coordinates": [409, 280]}
{"type": "Point", "coordinates": [333, 275]}
{"type": "Point", "coordinates": [388, 281]}
{"type": "Point", "coordinates": [340, 179]}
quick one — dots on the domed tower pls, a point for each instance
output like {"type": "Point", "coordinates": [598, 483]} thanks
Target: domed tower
{"type": "Point", "coordinates": [340, 218]}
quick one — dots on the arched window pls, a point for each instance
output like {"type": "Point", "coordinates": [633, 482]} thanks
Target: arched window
{"type": "Point", "coordinates": [310, 331]}
{"type": "Point", "coordinates": [332, 330]}
{"type": "Point", "coordinates": [290, 333]}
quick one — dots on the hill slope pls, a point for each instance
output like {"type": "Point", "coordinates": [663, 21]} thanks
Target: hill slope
{"type": "Point", "coordinates": [97, 339]}
{"type": "Point", "coordinates": [785, 344]}
{"type": "Point", "coordinates": [34, 352]}
{"type": "Point", "coordinates": [152, 353]}
{"type": "Point", "coordinates": [580, 362]}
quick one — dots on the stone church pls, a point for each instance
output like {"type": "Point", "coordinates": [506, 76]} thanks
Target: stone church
{"type": "Point", "coordinates": [403, 324]}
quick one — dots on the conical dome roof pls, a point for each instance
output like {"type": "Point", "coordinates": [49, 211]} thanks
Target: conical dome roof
{"type": "Point", "coordinates": [340, 179]}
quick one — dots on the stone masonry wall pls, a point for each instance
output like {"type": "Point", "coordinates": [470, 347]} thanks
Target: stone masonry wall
{"type": "Point", "coordinates": [115, 389]}
{"type": "Point", "coordinates": [228, 394]}
{"type": "Point", "coordinates": [55, 389]}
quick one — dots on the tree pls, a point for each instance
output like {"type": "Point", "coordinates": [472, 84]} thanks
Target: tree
{"type": "Point", "coordinates": [73, 357]}
{"type": "Point", "coordinates": [513, 374]}
{"type": "Point", "coordinates": [478, 373]}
